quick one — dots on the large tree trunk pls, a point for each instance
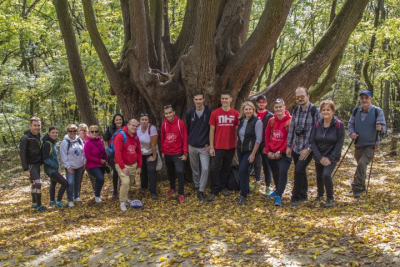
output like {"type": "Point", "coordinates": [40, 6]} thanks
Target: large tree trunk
{"type": "Point", "coordinates": [74, 63]}
{"type": "Point", "coordinates": [308, 70]}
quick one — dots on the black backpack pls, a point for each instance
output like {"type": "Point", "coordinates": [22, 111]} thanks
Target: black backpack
{"type": "Point", "coordinates": [233, 178]}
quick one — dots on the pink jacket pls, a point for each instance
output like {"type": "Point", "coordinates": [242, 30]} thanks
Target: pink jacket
{"type": "Point", "coordinates": [94, 152]}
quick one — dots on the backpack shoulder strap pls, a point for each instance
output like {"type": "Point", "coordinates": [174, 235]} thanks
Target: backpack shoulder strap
{"type": "Point", "coordinates": [148, 128]}
{"type": "Point", "coordinates": [338, 123]}
{"type": "Point", "coordinates": [313, 110]}
{"type": "Point", "coordinates": [354, 112]}
{"type": "Point", "coordinates": [316, 125]}
{"type": "Point", "coordinates": [69, 145]}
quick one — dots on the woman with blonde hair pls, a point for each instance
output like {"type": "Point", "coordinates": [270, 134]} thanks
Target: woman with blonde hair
{"type": "Point", "coordinates": [73, 160]}
{"type": "Point", "coordinates": [249, 133]}
{"type": "Point", "coordinates": [96, 159]}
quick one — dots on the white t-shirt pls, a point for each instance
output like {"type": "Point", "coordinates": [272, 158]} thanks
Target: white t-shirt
{"type": "Point", "coordinates": [145, 142]}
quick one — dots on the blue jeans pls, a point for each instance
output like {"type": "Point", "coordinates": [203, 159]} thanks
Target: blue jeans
{"type": "Point", "coordinates": [262, 160]}
{"type": "Point", "coordinates": [98, 172]}
{"type": "Point", "coordinates": [280, 168]}
{"type": "Point", "coordinates": [243, 172]}
{"type": "Point", "coordinates": [74, 183]}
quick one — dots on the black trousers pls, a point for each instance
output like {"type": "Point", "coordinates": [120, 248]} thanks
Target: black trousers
{"type": "Point", "coordinates": [148, 176]}
{"type": "Point", "coordinates": [57, 178]}
{"type": "Point", "coordinates": [220, 167]}
{"type": "Point", "coordinates": [175, 164]}
{"type": "Point", "coordinates": [300, 186]}
{"type": "Point", "coordinates": [324, 179]}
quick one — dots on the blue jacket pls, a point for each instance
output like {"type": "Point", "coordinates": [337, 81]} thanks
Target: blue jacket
{"type": "Point", "coordinates": [49, 153]}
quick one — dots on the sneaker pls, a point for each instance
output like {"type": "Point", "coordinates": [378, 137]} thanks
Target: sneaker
{"type": "Point", "coordinates": [59, 204]}
{"type": "Point", "coordinates": [200, 196]}
{"type": "Point", "coordinates": [181, 198]}
{"type": "Point", "coordinates": [34, 206]}
{"type": "Point", "coordinates": [329, 203]}
{"type": "Point", "coordinates": [319, 199]}
{"type": "Point", "coordinates": [41, 208]}
{"type": "Point", "coordinates": [97, 200]}
{"type": "Point", "coordinates": [115, 195]}
{"type": "Point", "coordinates": [78, 199]}
{"type": "Point", "coordinates": [295, 203]}
{"type": "Point", "coordinates": [211, 198]}
{"type": "Point", "coordinates": [242, 201]}
{"type": "Point", "coordinates": [129, 200]}
{"type": "Point", "coordinates": [273, 194]}
{"type": "Point", "coordinates": [170, 192]}
{"type": "Point", "coordinates": [225, 192]}
{"type": "Point", "coordinates": [154, 196]}
{"type": "Point", "coordinates": [53, 202]}
{"type": "Point", "coordinates": [356, 194]}
{"type": "Point", "coordinates": [257, 183]}
{"type": "Point", "coordinates": [278, 201]}
{"type": "Point", "coordinates": [71, 204]}
{"type": "Point", "coordinates": [268, 190]}
{"type": "Point", "coordinates": [123, 206]}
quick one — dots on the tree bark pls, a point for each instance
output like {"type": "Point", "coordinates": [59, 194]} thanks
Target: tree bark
{"type": "Point", "coordinates": [307, 71]}
{"type": "Point", "coordinates": [74, 63]}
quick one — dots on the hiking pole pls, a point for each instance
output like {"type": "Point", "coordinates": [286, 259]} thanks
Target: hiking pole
{"type": "Point", "coordinates": [352, 141]}
{"type": "Point", "coordinates": [372, 161]}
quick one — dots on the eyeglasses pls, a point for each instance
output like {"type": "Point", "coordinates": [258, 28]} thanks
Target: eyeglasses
{"type": "Point", "coordinates": [261, 102]}
{"type": "Point", "coordinates": [72, 131]}
{"type": "Point", "coordinates": [298, 97]}
{"type": "Point", "coordinates": [167, 106]}
{"type": "Point", "coordinates": [94, 131]}
{"type": "Point", "coordinates": [144, 114]}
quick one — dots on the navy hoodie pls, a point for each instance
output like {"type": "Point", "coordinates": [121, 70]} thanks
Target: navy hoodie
{"type": "Point", "coordinates": [198, 128]}
{"type": "Point", "coordinates": [327, 143]}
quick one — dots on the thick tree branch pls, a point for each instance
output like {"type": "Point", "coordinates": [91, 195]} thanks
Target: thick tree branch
{"type": "Point", "coordinates": [307, 71]}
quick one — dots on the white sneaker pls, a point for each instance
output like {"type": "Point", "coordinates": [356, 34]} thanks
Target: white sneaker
{"type": "Point", "coordinates": [77, 199]}
{"type": "Point", "coordinates": [129, 200]}
{"type": "Point", "coordinates": [97, 200]}
{"type": "Point", "coordinates": [123, 206]}
{"type": "Point", "coordinates": [71, 204]}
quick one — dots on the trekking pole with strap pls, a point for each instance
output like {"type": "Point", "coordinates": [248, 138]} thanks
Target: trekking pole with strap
{"type": "Point", "coordinates": [372, 161]}
{"type": "Point", "coordinates": [352, 141]}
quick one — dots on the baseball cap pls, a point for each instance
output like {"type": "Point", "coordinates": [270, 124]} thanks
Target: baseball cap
{"type": "Point", "coordinates": [365, 92]}
{"type": "Point", "coordinates": [261, 97]}
{"type": "Point", "coordinates": [136, 204]}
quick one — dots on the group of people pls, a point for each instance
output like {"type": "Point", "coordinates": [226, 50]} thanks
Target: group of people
{"type": "Point", "coordinates": [257, 136]}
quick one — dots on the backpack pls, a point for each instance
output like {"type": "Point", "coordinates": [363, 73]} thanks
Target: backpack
{"type": "Point", "coordinates": [69, 144]}
{"type": "Point", "coordinates": [110, 150]}
{"type": "Point", "coordinates": [234, 179]}
{"type": "Point", "coordinates": [41, 149]}
{"type": "Point", "coordinates": [338, 122]}
{"type": "Point", "coordinates": [313, 111]}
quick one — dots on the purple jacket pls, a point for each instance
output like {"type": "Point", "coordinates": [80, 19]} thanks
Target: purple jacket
{"type": "Point", "coordinates": [94, 152]}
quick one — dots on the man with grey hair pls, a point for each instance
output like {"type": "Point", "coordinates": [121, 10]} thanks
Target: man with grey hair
{"type": "Point", "coordinates": [31, 157]}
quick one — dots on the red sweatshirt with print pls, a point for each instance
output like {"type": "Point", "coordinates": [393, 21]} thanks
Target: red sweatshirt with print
{"type": "Point", "coordinates": [128, 153]}
{"type": "Point", "coordinates": [275, 139]}
{"type": "Point", "coordinates": [174, 137]}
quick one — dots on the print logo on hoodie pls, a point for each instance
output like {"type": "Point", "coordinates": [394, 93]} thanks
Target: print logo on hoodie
{"type": "Point", "coordinates": [278, 134]}
{"type": "Point", "coordinates": [170, 138]}
{"type": "Point", "coordinates": [131, 149]}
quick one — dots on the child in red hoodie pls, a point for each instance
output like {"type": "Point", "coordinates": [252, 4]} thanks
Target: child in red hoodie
{"type": "Point", "coordinates": [275, 147]}
{"type": "Point", "coordinates": [128, 158]}
{"type": "Point", "coordinates": [174, 148]}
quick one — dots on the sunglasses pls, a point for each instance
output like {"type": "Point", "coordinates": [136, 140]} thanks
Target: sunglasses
{"type": "Point", "coordinates": [72, 131]}
{"type": "Point", "coordinates": [300, 97]}
{"type": "Point", "coordinates": [167, 106]}
{"type": "Point", "coordinates": [279, 100]}
{"type": "Point", "coordinates": [143, 114]}
{"type": "Point", "coordinates": [94, 131]}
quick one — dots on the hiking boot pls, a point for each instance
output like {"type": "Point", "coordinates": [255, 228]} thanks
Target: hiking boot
{"type": "Point", "coordinates": [225, 192]}
{"type": "Point", "coordinates": [154, 196]}
{"type": "Point", "coordinates": [59, 204]}
{"type": "Point", "coordinates": [268, 191]}
{"type": "Point", "coordinates": [273, 194]}
{"type": "Point", "coordinates": [356, 194]}
{"type": "Point", "coordinates": [78, 199]}
{"type": "Point", "coordinates": [53, 202]}
{"type": "Point", "coordinates": [181, 198]}
{"type": "Point", "coordinates": [329, 203]}
{"type": "Point", "coordinates": [41, 208]}
{"type": "Point", "coordinates": [115, 195]}
{"type": "Point", "coordinates": [34, 206]}
{"type": "Point", "coordinates": [278, 201]}
{"type": "Point", "coordinates": [200, 196]}
{"type": "Point", "coordinates": [319, 199]}
{"type": "Point", "coordinates": [71, 204]}
{"type": "Point", "coordinates": [123, 206]}
{"type": "Point", "coordinates": [211, 198]}
{"type": "Point", "coordinates": [242, 201]}
{"type": "Point", "coordinates": [170, 192]}
{"type": "Point", "coordinates": [97, 200]}
{"type": "Point", "coordinates": [295, 203]}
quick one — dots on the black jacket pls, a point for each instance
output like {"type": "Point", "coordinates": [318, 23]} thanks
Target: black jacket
{"type": "Point", "coordinates": [198, 128]}
{"type": "Point", "coordinates": [249, 135]}
{"type": "Point", "coordinates": [29, 150]}
{"type": "Point", "coordinates": [327, 144]}
{"type": "Point", "coordinates": [265, 120]}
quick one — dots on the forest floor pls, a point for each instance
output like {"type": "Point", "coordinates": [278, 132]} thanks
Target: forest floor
{"type": "Point", "coordinates": [356, 232]}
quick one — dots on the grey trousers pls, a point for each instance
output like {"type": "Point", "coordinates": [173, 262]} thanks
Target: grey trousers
{"type": "Point", "coordinates": [363, 157]}
{"type": "Point", "coordinates": [197, 156]}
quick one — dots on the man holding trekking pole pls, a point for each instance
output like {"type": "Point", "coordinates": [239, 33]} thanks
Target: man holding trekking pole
{"type": "Point", "coordinates": [364, 125]}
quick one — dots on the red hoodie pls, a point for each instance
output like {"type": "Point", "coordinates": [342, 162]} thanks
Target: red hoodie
{"type": "Point", "coordinates": [277, 140]}
{"type": "Point", "coordinates": [128, 153]}
{"type": "Point", "coordinates": [174, 137]}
